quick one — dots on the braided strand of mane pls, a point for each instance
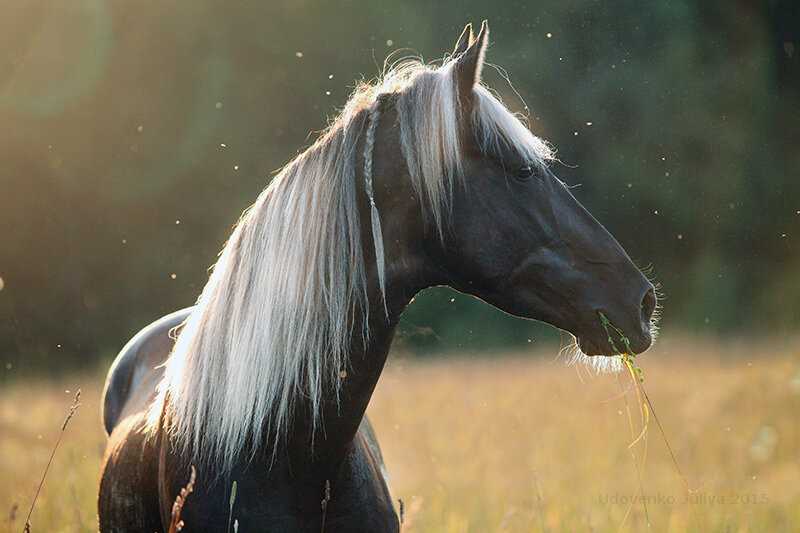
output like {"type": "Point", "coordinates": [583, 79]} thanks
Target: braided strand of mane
{"type": "Point", "coordinates": [377, 233]}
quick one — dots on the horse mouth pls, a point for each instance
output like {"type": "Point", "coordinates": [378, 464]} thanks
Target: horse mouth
{"type": "Point", "coordinates": [592, 348]}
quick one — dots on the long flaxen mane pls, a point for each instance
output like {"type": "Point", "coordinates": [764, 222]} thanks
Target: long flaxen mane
{"type": "Point", "coordinates": [288, 294]}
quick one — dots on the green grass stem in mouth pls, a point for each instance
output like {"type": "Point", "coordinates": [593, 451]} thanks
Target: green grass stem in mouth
{"type": "Point", "coordinates": [645, 405]}
{"type": "Point", "coordinates": [627, 355]}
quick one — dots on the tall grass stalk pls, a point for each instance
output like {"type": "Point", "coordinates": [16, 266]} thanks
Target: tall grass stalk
{"type": "Point", "coordinates": [76, 402]}
{"type": "Point", "coordinates": [645, 408]}
{"type": "Point", "coordinates": [231, 503]}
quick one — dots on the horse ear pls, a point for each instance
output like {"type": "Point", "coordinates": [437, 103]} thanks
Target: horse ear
{"type": "Point", "coordinates": [464, 41]}
{"type": "Point", "coordinates": [470, 63]}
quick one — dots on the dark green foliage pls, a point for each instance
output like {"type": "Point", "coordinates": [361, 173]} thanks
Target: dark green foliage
{"type": "Point", "coordinates": [680, 121]}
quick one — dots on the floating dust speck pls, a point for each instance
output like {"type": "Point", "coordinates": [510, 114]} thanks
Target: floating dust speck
{"type": "Point", "coordinates": [549, 35]}
{"type": "Point", "coordinates": [218, 105]}
{"type": "Point", "coordinates": [389, 42]}
{"type": "Point", "coordinates": [298, 55]}
{"type": "Point", "coordinates": [173, 276]}
{"type": "Point", "coordinates": [2, 283]}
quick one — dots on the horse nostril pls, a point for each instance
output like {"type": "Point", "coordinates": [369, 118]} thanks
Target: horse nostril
{"type": "Point", "coordinates": [648, 305]}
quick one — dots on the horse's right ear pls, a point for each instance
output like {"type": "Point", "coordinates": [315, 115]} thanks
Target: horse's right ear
{"type": "Point", "coordinates": [469, 63]}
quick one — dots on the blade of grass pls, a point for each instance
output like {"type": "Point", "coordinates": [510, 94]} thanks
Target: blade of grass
{"type": "Point", "coordinates": [646, 405]}
{"type": "Point", "coordinates": [636, 465]}
{"type": "Point", "coordinates": [231, 502]}
{"type": "Point", "coordinates": [76, 402]}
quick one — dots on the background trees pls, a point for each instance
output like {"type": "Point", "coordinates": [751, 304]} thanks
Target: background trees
{"type": "Point", "coordinates": [134, 135]}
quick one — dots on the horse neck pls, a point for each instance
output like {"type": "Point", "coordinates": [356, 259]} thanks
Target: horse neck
{"type": "Point", "coordinates": [409, 269]}
{"type": "Point", "coordinates": [341, 421]}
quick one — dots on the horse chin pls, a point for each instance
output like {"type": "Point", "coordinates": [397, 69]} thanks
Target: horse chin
{"type": "Point", "coordinates": [600, 363]}
{"type": "Point", "coordinates": [592, 349]}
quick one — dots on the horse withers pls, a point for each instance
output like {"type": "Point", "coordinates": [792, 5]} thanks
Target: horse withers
{"type": "Point", "coordinates": [425, 179]}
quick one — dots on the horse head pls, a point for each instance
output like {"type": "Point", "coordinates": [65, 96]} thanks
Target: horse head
{"type": "Point", "coordinates": [470, 200]}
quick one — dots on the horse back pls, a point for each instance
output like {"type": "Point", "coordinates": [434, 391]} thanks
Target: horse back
{"type": "Point", "coordinates": [135, 373]}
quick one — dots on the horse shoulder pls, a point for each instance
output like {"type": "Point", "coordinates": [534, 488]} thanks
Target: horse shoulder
{"type": "Point", "coordinates": [128, 497]}
{"type": "Point", "coordinates": [366, 500]}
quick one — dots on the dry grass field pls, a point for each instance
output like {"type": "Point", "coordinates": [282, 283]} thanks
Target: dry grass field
{"type": "Point", "coordinates": [515, 443]}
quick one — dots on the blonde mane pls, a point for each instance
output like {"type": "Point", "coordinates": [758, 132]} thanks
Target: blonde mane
{"type": "Point", "coordinates": [288, 294]}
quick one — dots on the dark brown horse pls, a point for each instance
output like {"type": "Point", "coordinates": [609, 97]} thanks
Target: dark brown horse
{"type": "Point", "coordinates": [425, 179]}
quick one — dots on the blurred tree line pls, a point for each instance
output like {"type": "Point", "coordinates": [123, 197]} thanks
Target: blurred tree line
{"type": "Point", "coordinates": [135, 133]}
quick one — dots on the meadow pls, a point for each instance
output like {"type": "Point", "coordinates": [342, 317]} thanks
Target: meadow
{"type": "Point", "coordinates": [516, 442]}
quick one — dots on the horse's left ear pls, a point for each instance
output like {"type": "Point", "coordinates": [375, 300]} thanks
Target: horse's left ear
{"type": "Point", "coordinates": [464, 41]}
{"type": "Point", "coordinates": [470, 63]}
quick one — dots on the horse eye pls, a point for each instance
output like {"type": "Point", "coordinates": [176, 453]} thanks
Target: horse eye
{"type": "Point", "coordinates": [526, 172]}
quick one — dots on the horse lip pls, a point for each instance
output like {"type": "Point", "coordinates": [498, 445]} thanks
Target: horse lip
{"type": "Point", "coordinates": [639, 341]}
{"type": "Point", "coordinates": [584, 345]}
{"type": "Point", "coordinates": [591, 348]}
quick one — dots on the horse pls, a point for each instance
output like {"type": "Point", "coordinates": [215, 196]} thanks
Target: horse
{"type": "Point", "coordinates": [424, 179]}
